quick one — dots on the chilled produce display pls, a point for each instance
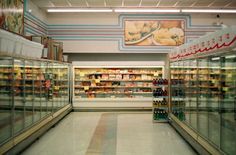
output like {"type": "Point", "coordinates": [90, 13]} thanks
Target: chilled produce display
{"type": "Point", "coordinates": [114, 82]}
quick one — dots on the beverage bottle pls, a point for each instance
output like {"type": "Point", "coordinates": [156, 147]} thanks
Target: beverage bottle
{"type": "Point", "coordinates": [154, 82]}
{"type": "Point", "coordinates": [166, 82]}
{"type": "Point", "coordinates": [160, 81]}
{"type": "Point", "coordinates": [165, 93]}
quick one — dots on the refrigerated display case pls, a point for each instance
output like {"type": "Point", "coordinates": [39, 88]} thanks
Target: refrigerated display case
{"type": "Point", "coordinates": [107, 84]}
{"type": "Point", "coordinates": [30, 90]}
{"type": "Point", "coordinates": [203, 81]}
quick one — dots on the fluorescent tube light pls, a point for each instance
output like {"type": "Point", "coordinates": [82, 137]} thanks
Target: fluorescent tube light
{"type": "Point", "coordinates": [79, 10]}
{"type": "Point", "coordinates": [208, 10]}
{"type": "Point", "coordinates": [230, 56]}
{"type": "Point", "coordinates": [216, 58]}
{"type": "Point", "coordinates": [147, 10]}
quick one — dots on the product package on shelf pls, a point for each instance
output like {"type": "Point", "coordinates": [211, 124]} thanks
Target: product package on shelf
{"type": "Point", "coordinates": [122, 83]}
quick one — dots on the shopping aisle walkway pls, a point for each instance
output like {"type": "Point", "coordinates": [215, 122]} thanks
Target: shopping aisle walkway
{"type": "Point", "coordinates": [82, 133]}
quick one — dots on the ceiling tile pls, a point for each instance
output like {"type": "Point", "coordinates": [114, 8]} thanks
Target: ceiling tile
{"type": "Point", "coordinates": [42, 3]}
{"type": "Point", "coordinates": [185, 3]}
{"type": "Point", "coordinates": [78, 3]}
{"type": "Point", "coordinates": [131, 2]}
{"type": "Point", "coordinates": [151, 3]}
{"type": "Point", "coordinates": [203, 3]}
{"type": "Point", "coordinates": [115, 3]}
{"type": "Point", "coordinates": [232, 5]}
{"type": "Point", "coordinates": [96, 3]}
{"type": "Point", "coordinates": [60, 3]}
{"type": "Point", "coordinates": [220, 3]}
{"type": "Point", "coordinates": [167, 3]}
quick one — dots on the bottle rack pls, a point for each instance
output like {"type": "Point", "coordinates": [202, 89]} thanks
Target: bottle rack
{"type": "Point", "coordinates": [160, 100]}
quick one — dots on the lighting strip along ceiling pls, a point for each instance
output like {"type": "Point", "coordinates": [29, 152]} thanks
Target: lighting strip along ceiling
{"type": "Point", "coordinates": [146, 10]}
{"type": "Point", "coordinates": [208, 11]}
{"type": "Point", "coordinates": [139, 10]}
{"type": "Point", "coordinates": [79, 10]}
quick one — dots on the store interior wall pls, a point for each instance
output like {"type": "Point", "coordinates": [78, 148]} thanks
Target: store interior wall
{"type": "Point", "coordinates": [93, 33]}
{"type": "Point", "coordinates": [117, 57]}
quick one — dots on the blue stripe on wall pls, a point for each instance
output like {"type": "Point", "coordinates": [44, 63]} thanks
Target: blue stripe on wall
{"type": "Point", "coordinates": [105, 32]}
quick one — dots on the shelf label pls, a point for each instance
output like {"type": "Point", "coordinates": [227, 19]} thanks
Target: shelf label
{"type": "Point", "coordinates": [81, 73]}
{"type": "Point", "coordinates": [56, 87]}
{"type": "Point", "coordinates": [86, 87]}
{"type": "Point", "coordinates": [225, 88]}
{"type": "Point", "coordinates": [97, 80]}
{"type": "Point", "coordinates": [229, 75]}
{"type": "Point", "coordinates": [156, 74]}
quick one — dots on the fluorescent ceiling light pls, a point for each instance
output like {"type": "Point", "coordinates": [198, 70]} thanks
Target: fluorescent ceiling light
{"type": "Point", "coordinates": [216, 58]}
{"type": "Point", "coordinates": [209, 10]}
{"type": "Point", "coordinates": [79, 10]}
{"type": "Point", "coordinates": [230, 56]}
{"type": "Point", "coordinates": [147, 10]}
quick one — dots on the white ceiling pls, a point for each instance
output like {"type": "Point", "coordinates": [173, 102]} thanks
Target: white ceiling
{"type": "Point", "coordinates": [227, 4]}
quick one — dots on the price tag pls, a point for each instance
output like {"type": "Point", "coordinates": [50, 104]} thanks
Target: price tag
{"type": "Point", "coordinates": [97, 80]}
{"type": "Point", "coordinates": [86, 87]}
{"type": "Point", "coordinates": [225, 88]}
{"type": "Point", "coordinates": [156, 74]}
{"type": "Point", "coordinates": [56, 87]}
{"type": "Point", "coordinates": [81, 73]}
{"type": "Point", "coordinates": [213, 81]}
{"type": "Point", "coordinates": [229, 75]}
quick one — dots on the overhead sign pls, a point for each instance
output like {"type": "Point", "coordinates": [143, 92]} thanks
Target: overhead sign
{"type": "Point", "coordinates": [225, 38]}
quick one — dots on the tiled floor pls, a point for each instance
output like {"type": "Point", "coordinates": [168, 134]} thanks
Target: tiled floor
{"type": "Point", "coordinates": [110, 134]}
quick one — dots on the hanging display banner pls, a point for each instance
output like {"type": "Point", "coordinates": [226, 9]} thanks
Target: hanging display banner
{"type": "Point", "coordinates": [225, 38]}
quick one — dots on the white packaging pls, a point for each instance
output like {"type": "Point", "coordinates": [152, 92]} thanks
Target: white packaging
{"type": "Point", "coordinates": [32, 49]}
{"type": "Point", "coordinates": [7, 41]}
{"type": "Point", "coordinates": [18, 45]}
{"type": "Point", "coordinates": [15, 44]}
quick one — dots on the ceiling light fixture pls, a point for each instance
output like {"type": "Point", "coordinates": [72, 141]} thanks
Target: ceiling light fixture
{"type": "Point", "coordinates": [208, 11]}
{"type": "Point", "coordinates": [147, 10]}
{"type": "Point", "coordinates": [79, 10]}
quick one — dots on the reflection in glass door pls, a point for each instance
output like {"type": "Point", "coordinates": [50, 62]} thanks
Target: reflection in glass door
{"type": "Point", "coordinates": [19, 94]}
{"type": "Point", "coordinates": [213, 100]}
{"type": "Point", "coordinates": [6, 102]}
{"type": "Point", "coordinates": [228, 93]}
{"type": "Point", "coordinates": [192, 92]}
{"type": "Point", "coordinates": [203, 96]}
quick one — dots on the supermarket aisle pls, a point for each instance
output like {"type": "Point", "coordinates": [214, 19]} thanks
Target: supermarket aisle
{"type": "Point", "coordinates": [110, 134]}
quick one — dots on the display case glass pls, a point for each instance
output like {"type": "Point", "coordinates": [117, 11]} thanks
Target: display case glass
{"type": "Point", "coordinates": [6, 98]}
{"type": "Point", "coordinates": [203, 97]}
{"type": "Point", "coordinates": [18, 95]}
{"type": "Point", "coordinates": [228, 103]}
{"type": "Point", "coordinates": [213, 106]}
{"type": "Point", "coordinates": [105, 83]}
{"type": "Point", "coordinates": [30, 89]}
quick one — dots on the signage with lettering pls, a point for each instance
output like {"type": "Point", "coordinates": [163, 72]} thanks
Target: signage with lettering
{"type": "Point", "coordinates": [225, 38]}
